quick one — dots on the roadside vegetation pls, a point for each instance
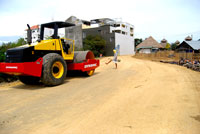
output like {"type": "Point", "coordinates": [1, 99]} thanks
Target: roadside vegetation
{"type": "Point", "coordinates": [3, 48]}
{"type": "Point", "coordinates": [94, 43]}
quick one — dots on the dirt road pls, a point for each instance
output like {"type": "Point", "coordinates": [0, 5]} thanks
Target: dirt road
{"type": "Point", "coordinates": [140, 97]}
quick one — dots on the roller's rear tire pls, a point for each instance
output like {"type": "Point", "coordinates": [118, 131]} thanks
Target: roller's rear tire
{"type": "Point", "coordinates": [29, 80]}
{"type": "Point", "coordinates": [54, 70]}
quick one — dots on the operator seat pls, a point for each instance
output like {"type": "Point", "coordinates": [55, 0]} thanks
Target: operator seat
{"type": "Point", "coordinates": [65, 46]}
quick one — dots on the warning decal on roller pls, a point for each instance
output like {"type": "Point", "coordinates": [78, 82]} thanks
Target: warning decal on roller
{"type": "Point", "coordinates": [90, 65]}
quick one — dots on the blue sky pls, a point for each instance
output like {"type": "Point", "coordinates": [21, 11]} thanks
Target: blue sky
{"type": "Point", "coordinates": [170, 19]}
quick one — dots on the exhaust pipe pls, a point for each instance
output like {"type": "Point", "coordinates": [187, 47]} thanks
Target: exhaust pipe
{"type": "Point", "coordinates": [29, 35]}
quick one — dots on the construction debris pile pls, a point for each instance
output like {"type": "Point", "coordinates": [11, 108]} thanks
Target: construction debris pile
{"type": "Point", "coordinates": [194, 65]}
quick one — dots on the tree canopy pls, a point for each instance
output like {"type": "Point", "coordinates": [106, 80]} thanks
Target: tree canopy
{"type": "Point", "coordinates": [173, 46]}
{"type": "Point", "coordinates": [138, 41]}
{"type": "Point", "coordinates": [94, 43]}
{"type": "Point", "coordinates": [168, 46]}
{"type": "Point", "coordinates": [5, 46]}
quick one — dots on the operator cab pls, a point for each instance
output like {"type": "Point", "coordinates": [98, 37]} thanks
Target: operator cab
{"type": "Point", "coordinates": [54, 27]}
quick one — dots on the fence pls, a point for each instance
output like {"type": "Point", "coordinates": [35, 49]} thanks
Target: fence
{"type": "Point", "coordinates": [168, 56]}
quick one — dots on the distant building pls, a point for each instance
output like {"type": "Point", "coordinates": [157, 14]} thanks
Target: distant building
{"type": "Point", "coordinates": [149, 45]}
{"type": "Point", "coordinates": [36, 33]}
{"type": "Point", "coordinates": [117, 34]}
{"type": "Point", "coordinates": [177, 42]}
{"type": "Point", "coordinates": [164, 43]}
{"type": "Point", "coordinates": [188, 38]}
{"type": "Point", "coordinates": [189, 46]}
{"type": "Point", "coordinates": [75, 32]}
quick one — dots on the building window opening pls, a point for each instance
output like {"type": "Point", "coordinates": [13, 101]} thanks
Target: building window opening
{"type": "Point", "coordinates": [117, 31]}
{"type": "Point", "coordinates": [131, 34]}
{"type": "Point", "coordinates": [123, 26]}
{"type": "Point", "coordinates": [131, 29]}
{"type": "Point", "coordinates": [116, 25]}
{"type": "Point", "coordinates": [123, 32]}
{"type": "Point", "coordinates": [84, 35]}
{"type": "Point", "coordinates": [100, 31]}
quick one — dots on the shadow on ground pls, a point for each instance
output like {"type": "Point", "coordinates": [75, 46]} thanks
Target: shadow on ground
{"type": "Point", "coordinates": [70, 75]}
{"type": "Point", "coordinates": [197, 118]}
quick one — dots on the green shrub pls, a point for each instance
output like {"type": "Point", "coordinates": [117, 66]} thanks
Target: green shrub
{"type": "Point", "coordinates": [94, 43]}
{"type": "Point", "coordinates": [173, 46]}
{"type": "Point", "coordinates": [3, 48]}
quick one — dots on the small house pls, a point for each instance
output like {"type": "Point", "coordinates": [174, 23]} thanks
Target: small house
{"type": "Point", "coordinates": [149, 45]}
{"type": "Point", "coordinates": [177, 42]}
{"type": "Point", "coordinates": [189, 46]}
{"type": "Point", "coordinates": [163, 43]}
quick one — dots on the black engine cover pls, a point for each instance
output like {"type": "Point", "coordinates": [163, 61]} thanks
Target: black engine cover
{"type": "Point", "coordinates": [20, 54]}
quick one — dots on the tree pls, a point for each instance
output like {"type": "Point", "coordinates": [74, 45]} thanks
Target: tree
{"type": "Point", "coordinates": [3, 49]}
{"type": "Point", "coordinates": [168, 46]}
{"type": "Point", "coordinates": [138, 41]}
{"type": "Point", "coordinates": [6, 46]}
{"type": "Point", "coordinates": [94, 43]}
{"type": "Point", "coordinates": [173, 46]}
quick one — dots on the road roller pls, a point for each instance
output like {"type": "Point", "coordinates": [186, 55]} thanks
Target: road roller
{"type": "Point", "coordinates": [47, 60]}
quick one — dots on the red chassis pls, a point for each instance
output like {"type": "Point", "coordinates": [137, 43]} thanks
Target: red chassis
{"type": "Point", "coordinates": [87, 65]}
{"type": "Point", "coordinates": [35, 68]}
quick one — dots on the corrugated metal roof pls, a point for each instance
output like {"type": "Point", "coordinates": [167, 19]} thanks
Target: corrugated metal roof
{"type": "Point", "coordinates": [194, 44]}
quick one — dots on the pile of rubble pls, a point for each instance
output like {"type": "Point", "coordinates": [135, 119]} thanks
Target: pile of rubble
{"type": "Point", "coordinates": [194, 65]}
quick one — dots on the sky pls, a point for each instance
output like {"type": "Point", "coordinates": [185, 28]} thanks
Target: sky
{"type": "Point", "coordinates": [169, 19]}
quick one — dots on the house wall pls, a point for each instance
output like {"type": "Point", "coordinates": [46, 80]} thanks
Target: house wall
{"type": "Point", "coordinates": [124, 36]}
{"type": "Point", "coordinates": [184, 47]}
{"type": "Point", "coordinates": [75, 32]}
{"type": "Point", "coordinates": [145, 50]}
{"type": "Point", "coordinates": [123, 28]}
{"type": "Point", "coordinates": [126, 44]}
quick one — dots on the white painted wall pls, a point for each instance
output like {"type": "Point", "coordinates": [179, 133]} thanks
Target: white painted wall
{"type": "Point", "coordinates": [125, 38]}
{"type": "Point", "coordinates": [126, 44]}
{"type": "Point", "coordinates": [35, 35]}
{"type": "Point", "coordinates": [145, 50]}
{"type": "Point", "coordinates": [126, 29]}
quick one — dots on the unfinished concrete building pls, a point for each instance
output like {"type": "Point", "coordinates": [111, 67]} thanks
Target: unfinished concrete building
{"type": "Point", "coordinates": [75, 32]}
{"type": "Point", "coordinates": [116, 33]}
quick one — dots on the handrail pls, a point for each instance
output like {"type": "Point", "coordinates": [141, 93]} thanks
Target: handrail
{"type": "Point", "coordinates": [73, 44]}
